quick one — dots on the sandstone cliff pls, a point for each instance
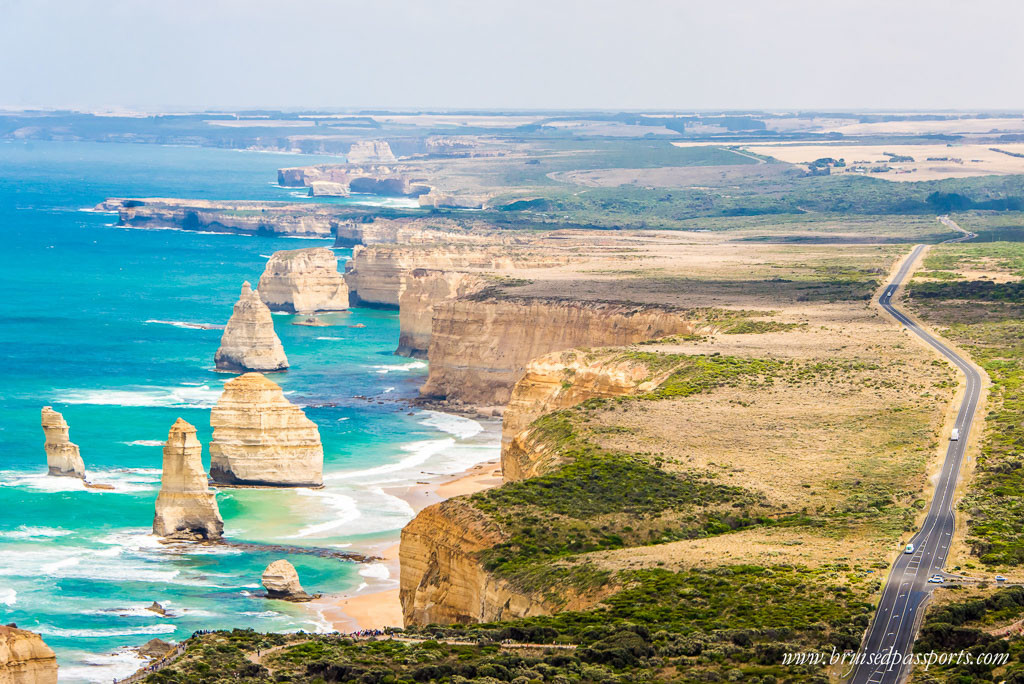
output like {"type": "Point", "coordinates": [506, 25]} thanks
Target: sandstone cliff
{"type": "Point", "coordinates": [328, 189]}
{"type": "Point", "coordinates": [247, 217]}
{"type": "Point", "coordinates": [479, 347]}
{"type": "Point", "coordinates": [260, 438]}
{"type": "Point", "coordinates": [442, 580]}
{"type": "Point", "coordinates": [62, 457]}
{"type": "Point", "coordinates": [303, 281]}
{"type": "Point", "coordinates": [282, 582]}
{"type": "Point", "coordinates": [423, 231]}
{"type": "Point", "coordinates": [377, 274]}
{"type": "Point", "coordinates": [421, 291]}
{"type": "Point", "coordinates": [370, 152]}
{"type": "Point", "coordinates": [249, 341]}
{"type": "Point", "coordinates": [25, 658]}
{"type": "Point", "coordinates": [397, 180]}
{"type": "Point", "coordinates": [186, 508]}
{"type": "Point", "coordinates": [559, 380]}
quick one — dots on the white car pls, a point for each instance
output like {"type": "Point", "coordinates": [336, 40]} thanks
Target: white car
{"type": "Point", "coordinates": [909, 549]}
{"type": "Point", "coordinates": [1000, 578]}
{"type": "Point", "coordinates": [936, 579]}
{"type": "Point", "coordinates": [955, 435]}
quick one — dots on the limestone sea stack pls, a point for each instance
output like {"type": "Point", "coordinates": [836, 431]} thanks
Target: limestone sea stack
{"type": "Point", "coordinates": [282, 582]}
{"type": "Point", "coordinates": [249, 341]}
{"type": "Point", "coordinates": [303, 281]}
{"type": "Point", "coordinates": [25, 658]}
{"type": "Point", "coordinates": [186, 508]}
{"type": "Point", "coordinates": [261, 439]}
{"type": "Point", "coordinates": [62, 457]}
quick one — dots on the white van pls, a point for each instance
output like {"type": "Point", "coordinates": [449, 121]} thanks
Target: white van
{"type": "Point", "coordinates": [955, 435]}
{"type": "Point", "coordinates": [909, 549]}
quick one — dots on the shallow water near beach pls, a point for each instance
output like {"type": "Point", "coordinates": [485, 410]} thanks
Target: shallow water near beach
{"type": "Point", "coordinates": [99, 322]}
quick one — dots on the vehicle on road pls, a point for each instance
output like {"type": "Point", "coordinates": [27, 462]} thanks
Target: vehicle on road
{"type": "Point", "coordinates": [909, 549]}
{"type": "Point", "coordinates": [936, 579]}
{"type": "Point", "coordinates": [1000, 578]}
{"type": "Point", "coordinates": [955, 435]}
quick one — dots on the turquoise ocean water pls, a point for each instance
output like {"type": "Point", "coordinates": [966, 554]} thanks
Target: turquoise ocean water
{"type": "Point", "coordinates": [93, 321]}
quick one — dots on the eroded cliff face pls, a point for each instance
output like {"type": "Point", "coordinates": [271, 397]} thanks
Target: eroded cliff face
{"type": "Point", "coordinates": [62, 456]}
{"type": "Point", "coordinates": [370, 152]}
{"type": "Point", "coordinates": [247, 217]}
{"type": "Point", "coordinates": [559, 380]}
{"type": "Point", "coordinates": [303, 281]}
{"type": "Point", "coordinates": [25, 658]}
{"type": "Point", "coordinates": [442, 580]}
{"type": "Point", "coordinates": [249, 342]}
{"type": "Point", "coordinates": [260, 438]}
{"type": "Point", "coordinates": [422, 289]}
{"type": "Point", "coordinates": [380, 179]}
{"type": "Point", "coordinates": [480, 347]}
{"type": "Point", "coordinates": [377, 274]}
{"type": "Point", "coordinates": [186, 508]}
{"type": "Point", "coordinates": [422, 231]}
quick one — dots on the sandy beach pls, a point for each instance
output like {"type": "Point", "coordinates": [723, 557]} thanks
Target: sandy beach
{"type": "Point", "coordinates": [377, 605]}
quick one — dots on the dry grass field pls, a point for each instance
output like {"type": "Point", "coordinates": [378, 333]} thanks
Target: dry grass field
{"type": "Point", "coordinates": [931, 162]}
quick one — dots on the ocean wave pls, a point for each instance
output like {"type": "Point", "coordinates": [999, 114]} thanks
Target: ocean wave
{"type": "Point", "coordinates": [419, 452]}
{"type": "Point", "coordinates": [384, 369]}
{"type": "Point", "coordinates": [331, 338]}
{"type": "Point", "coordinates": [461, 427]}
{"type": "Point", "coordinates": [345, 507]}
{"type": "Point", "coordinates": [96, 667]}
{"type": "Point", "coordinates": [201, 397]}
{"type": "Point", "coordinates": [8, 597]}
{"type": "Point", "coordinates": [43, 482]}
{"type": "Point", "coordinates": [28, 532]}
{"type": "Point", "coordinates": [377, 571]}
{"type": "Point", "coordinates": [50, 630]}
{"type": "Point", "coordinates": [187, 324]}
{"type": "Point", "coordinates": [146, 442]}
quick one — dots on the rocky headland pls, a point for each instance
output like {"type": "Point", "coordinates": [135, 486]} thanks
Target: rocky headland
{"type": "Point", "coordinates": [379, 179]}
{"type": "Point", "coordinates": [218, 216]}
{"type": "Point", "coordinates": [186, 507]}
{"type": "Point", "coordinates": [421, 290]}
{"type": "Point", "coordinates": [249, 342]}
{"type": "Point", "coordinates": [25, 658]}
{"type": "Point", "coordinates": [262, 439]}
{"type": "Point", "coordinates": [282, 582]}
{"type": "Point", "coordinates": [370, 152]}
{"type": "Point", "coordinates": [303, 281]}
{"type": "Point", "coordinates": [559, 380]}
{"type": "Point", "coordinates": [480, 346]}
{"type": "Point", "coordinates": [62, 456]}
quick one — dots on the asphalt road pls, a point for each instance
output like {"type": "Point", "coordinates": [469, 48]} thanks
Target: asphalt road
{"type": "Point", "coordinates": [897, 619]}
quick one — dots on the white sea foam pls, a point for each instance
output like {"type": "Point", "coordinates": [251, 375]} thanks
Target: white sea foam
{"type": "Point", "coordinates": [201, 397]}
{"type": "Point", "coordinates": [49, 630]}
{"type": "Point", "coordinates": [8, 597]}
{"type": "Point", "coordinates": [419, 453]}
{"type": "Point", "coordinates": [345, 511]}
{"type": "Point", "coordinates": [377, 571]}
{"type": "Point", "coordinates": [461, 427]}
{"type": "Point", "coordinates": [34, 533]}
{"type": "Point", "coordinates": [187, 324]}
{"type": "Point", "coordinates": [330, 338]}
{"type": "Point", "coordinates": [384, 369]}
{"type": "Point", "coordinates": [43, 482]}
{"type": "Point", "coordinates": [104, 668]}
{"type": "Point", "coordinates": [145, 442]}
{"type": "Point", "coordinates": [55, 567]}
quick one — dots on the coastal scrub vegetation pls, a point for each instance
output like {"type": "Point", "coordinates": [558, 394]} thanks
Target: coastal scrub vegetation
{"type": "Point", "coordinates": [690, 626]}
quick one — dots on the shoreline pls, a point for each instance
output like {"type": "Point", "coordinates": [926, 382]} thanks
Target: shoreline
{"type": "Point", "coordinates": [376, 605]}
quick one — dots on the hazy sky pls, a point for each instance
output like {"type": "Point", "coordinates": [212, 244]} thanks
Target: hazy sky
{"type": "Point", "coordinates": [626, 54]}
